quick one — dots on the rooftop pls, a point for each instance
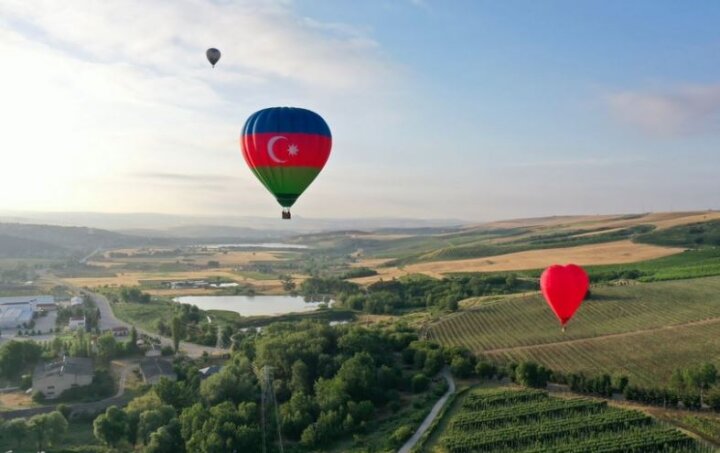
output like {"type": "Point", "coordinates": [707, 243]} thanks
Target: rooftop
{"type": "Point", "coordinates": [210, 370]}
{"type": "Point", "coordinates": [81, 366]}
{"type": "Point", "coordinates": [26, 300]}
{"type": "Point", "coordinates": [156, 367]}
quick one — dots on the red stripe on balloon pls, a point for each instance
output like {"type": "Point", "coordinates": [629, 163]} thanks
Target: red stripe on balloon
{"type": "Point", "coordinates": [276, 150]}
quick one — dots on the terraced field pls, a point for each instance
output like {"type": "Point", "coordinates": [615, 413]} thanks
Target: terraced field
{"type": "Point", "coordinates": [643, 330]}
{"type": "Point", "coordinates": [514, 420]}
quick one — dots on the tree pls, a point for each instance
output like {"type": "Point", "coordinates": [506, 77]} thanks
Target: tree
{"type": "Point", "coordinates": [47, 428]}
{"type": "Point", "coordinates": [485, 370]}
{"type": "Point", "coordinates": [64, 409]}
{"type": "Point", "coordinates": [461, 366]}
{"type": "Point", "coordinates": [401, 434]}
{"type": "Point", "coordinates": [227, 428]}
{"type": "Point", "coordinates": [232, 383]}
{"type": "Point", "coordinates": [530, 374]}
{"type": "Point", "coordinates": [111, 427]}
{"type": "Point", "coordinates": [178, 332]}
{"type": "Point", "coordinates": [131, 347]}
{"type": "Point", "coordinates": [419, 383]}
{"type": "Point", "coordinates": [106, 347]}
{"type": "Point", "coordinates": [17, 429]}
{"type": "Point", "coordinates": [152, 420]}
{"type": "Point", "coordinates": [300, 380]}
{"type": "Point", "coordinates": [359, 376]}
{"type": "Point", "coordinates": [167, 439]}
{"type": "Point", "coordinates": [174, 393]}
{"type": "Point", "coordinates": [17, 356]}
{"type": "Point", "coordinates": [297, 414]}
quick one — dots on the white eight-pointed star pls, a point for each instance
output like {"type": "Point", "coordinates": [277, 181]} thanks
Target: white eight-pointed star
{"type": "Point", "coordinates": [293, 150]}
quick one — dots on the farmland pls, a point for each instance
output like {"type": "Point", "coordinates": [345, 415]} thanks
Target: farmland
{"type": "Point", "coordinates": [513, 420]}
{"type": "Point", "coordinates": [643, 330]}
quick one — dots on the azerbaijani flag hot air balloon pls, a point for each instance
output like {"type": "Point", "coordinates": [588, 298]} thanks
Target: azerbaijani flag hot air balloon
{"type": "Point", "coordinates": [286, 147]}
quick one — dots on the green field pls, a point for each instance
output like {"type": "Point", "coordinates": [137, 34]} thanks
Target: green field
{"type": "Point", "coordinates": [513, 420]}
{"type": "Point", "coordinates": [642, 330]}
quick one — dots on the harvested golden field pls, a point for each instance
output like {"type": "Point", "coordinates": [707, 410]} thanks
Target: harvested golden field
{"type": "Point", "coordinates": [606, 253]}
{"type": "Point", "coordinates": [133, 278]}
{"type": "Point", "coordinates": [229, 259]}
{"type": "Point", "coordinates": [661, 220]}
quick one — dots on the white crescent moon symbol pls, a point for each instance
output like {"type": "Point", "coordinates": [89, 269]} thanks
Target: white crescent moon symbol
{"type": "Point", "coordinates": [270, 151]}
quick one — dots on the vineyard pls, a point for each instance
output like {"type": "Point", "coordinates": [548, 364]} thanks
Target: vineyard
{"type": "Point", "coordinates": [504, 420]}
{"type": "Point", "coordinates": [644, 330]}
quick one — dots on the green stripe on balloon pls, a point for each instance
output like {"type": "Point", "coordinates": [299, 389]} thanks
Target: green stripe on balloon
{"type": "Point", "coordinates": [286, 183]}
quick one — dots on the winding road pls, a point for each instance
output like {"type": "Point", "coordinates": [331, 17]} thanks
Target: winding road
{"type": "Point", "coordinates": [108, 320]}
{"type": "Point", "coordinates": [410, 444]}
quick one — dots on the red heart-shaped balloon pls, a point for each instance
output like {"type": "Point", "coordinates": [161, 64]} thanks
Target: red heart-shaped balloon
{"type": "Point", "coordinates": [564, 288]}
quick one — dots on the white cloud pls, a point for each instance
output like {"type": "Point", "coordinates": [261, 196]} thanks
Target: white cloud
{"type": "Point", "coordinates": [680, 111]}
{"type": "Point", "coordinates": [96, 95]}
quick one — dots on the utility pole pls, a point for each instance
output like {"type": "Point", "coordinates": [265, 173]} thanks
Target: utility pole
{"type": "Point", "coordinates": [264, 375]}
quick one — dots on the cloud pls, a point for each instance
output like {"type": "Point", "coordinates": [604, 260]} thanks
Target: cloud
{"type": "Point", "coordinates": [112, 106]}
{"type": "Point", "coordinates": [680, 111]}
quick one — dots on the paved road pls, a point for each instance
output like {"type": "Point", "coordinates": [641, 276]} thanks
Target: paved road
{"type": "Point", "coordinates": [432, 415]}
{"type": "Point", "coordinates": [108, 321]}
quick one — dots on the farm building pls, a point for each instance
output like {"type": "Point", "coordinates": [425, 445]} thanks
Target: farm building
{"type": "Point", "coordinates": [32, 301]}
{"type": "Point", "coordinates": [12, 316]}
{"type": "Point", "coordinates": [53, 378]}
{"type": "Point", "coordinates": [154, 369]}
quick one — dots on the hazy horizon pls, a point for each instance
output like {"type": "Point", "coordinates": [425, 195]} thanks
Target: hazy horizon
{"type": "Point", "coordinates": [470, 110]}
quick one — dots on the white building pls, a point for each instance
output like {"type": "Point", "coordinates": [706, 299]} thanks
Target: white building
{"type": "Point", "coordinates": [53, 378]}
{"type": "Point", "coordinates": [77, 300]}
{"type": "Point", "coordinates": [77, 323]}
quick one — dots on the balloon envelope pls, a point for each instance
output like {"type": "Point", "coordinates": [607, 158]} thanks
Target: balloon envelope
{"type": "Point", "coordinates": [286, 147]}
{"type": "Point", "coordinates": [564, 288]}
{"type": "Point", "coordinates": [213, 55]}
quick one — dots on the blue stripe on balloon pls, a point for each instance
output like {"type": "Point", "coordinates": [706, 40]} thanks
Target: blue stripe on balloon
{"type": "Point", "coordinates": [286, 120]}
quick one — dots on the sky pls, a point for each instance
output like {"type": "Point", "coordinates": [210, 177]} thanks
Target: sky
{"type": "Point", "coordinates": [468, 109]}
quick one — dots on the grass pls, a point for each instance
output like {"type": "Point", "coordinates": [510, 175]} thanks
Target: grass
{"type": "Point", "coordinates": [643, 330]}
{"type": "Point", "coordinates": [144, 316]}
{"type": "Point", "coordinates": [511, 419]}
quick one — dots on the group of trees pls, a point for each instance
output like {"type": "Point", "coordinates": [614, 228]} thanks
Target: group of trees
{"type": "Point", "coordinates": [44, 430]}
{"type": "Point", "coordinates": [394, 295]}
{"type": "Point", "coordinates": [187, 322]}
{"type": "Point", "coordinates": [328, 382]}
{"type": "Point", "coordinates": [695, 387]}
{"type": "Point", "coordinates": [18, 357]}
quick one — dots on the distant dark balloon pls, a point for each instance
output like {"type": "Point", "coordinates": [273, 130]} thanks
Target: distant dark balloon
{"type": "Point", "coordinates": [213, 55]}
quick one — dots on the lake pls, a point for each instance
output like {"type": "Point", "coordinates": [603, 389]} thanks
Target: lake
{"type": "Point", "coordinates": [251, 305]}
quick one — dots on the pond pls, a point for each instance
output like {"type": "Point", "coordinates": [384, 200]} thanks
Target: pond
{"type": "Point", "coordinates": [251, 305]}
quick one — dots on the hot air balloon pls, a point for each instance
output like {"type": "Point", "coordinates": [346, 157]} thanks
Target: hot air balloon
{"type": "Point", "coordinates": [564, 288]}
{"type": "Point", "coordinates": [286, 148]}
{"type": "Point", "coordinates": [213, 55]}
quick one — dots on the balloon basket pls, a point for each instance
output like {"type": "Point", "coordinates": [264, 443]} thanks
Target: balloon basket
{"type": "Point", "coordinates": [563, 329]}
{"type": "Point", "coordinates": [286, 214]}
